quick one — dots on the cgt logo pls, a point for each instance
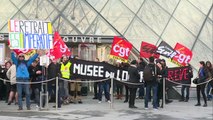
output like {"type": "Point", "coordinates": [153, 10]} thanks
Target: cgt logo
{"type": "Point", "coordinates": [120, 49]}
{"type": "Point", "coordinates": [122, 52]}
{"type": "Point", "coordinates": [184, 55]}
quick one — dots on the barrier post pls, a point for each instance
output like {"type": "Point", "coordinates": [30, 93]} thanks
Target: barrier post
{"type": "Point", "coordinates": [56, 98]}
{"type": "Point", "coordinates": [164, 92]}
{"type": "Point", "coordinates": [111, 104]}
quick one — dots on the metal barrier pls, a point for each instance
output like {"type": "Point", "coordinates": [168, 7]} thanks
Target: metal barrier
{"type": "Point", "coordinates": [112, 81]}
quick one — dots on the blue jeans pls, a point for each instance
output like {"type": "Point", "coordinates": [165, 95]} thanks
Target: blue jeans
{"type": "Point", "coordinates": [208, 88]}
{"type": "Point", "coordinates": [187, 92]}
{"type": "Point", "coordinates": [154, 88]}
{"type": "Point", "coordinates": [26, 89]}
{"type": "Point", "coordinates": [103, 86]}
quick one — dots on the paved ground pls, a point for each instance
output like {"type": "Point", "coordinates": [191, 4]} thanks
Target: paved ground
{"type": "Point", "coordinates": [92, 110]}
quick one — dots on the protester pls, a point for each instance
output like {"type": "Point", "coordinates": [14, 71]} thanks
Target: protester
{"type": "Point", "coordinates": [53, 72]}
{"type": "Point", "coordinates": [76, 89]}
{"type": "Point", "coordinates": [210, 76]}
{"type": "Point", "coordinates": [2, 83]}
{"type": "Point", "coordinates": [134, 77]}
{"type": "Point", "coordinates": [22, 75]}
{"type": "Point", "coordinates": [65, 72]}
{"type": "Point", "coordinates": [140, 67]}
{"type": "Point", "coordinates": [8, 64]}
{"type": "Point", "coordinates": [202, 75]}
{"type": "Point", "coordinates": [119, 86]}
{"type": "Point", "coordinates": [126, 66]}
{"type": "Point", "coordinates": [11, 75]}
{"type": "Point", "coordinates": [151, 71]}
{"type": "Point", "coordinates": [160, 84]}
{"type": "Point", "coordinates": [188, 82]}
{"type": "Point", "coordinates": [95, 87]}
{"type": "Point", "coordinates": [164, 75]}
{"type": "Point", "coordinates": [104, 86]}
{"type": "Point", "coordinates": [35, 71]}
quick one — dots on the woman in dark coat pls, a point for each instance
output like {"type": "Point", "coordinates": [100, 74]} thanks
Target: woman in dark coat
{"type": "Point", "coordinates": [202, 75]}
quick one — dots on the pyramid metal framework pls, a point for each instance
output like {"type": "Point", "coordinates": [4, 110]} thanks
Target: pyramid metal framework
{"type": "Point", "coordinates": [189, 22]}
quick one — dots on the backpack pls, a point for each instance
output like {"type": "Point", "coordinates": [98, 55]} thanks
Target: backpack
{"type": "Point", "coordinates": [148, 73]}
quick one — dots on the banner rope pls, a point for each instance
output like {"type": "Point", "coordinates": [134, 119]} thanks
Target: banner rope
{"type": "Point", "coordinates": [44, 81]}
{"type": "Point", "coordinates": [129, 83]}
{"type": "Point", "coordinates": [190, 84]}
{"type": "Point", "coordinates": [80, 81]}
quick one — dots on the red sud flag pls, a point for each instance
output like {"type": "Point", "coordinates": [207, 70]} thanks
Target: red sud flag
{"type": "Point", "coordinates": [148, 50]}
{"type": "Point", "coordinates": [184, 55]}
{"type": "Point", "coordinates": [59, 48]}
{"type": "Point", "coordinates": [120, 49]}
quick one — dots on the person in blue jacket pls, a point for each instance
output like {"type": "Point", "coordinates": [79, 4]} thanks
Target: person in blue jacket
{"type": "Point", "coordinates": [22, 75]}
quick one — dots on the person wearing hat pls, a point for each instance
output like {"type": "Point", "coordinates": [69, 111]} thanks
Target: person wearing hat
{"type": "Point", "coordinates": [134, 77]}
{"type": "Point", "coordinates": [22, 75]}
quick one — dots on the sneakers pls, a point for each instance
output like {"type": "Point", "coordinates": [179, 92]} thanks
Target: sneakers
{"type": "Point", "coordinates": [28, 108]}
{"type": "Point", "coordinates": [80, 102]}
{"type": "Point", "coordinates": [108, 101]}
{"type": "Point", "coordinates": [20, 108]}
{"type": "Point", "coordinates": [198, 104]}
{"type": "Point", "coordinates": [134, 107]}
{"type": "Point", "coordinates": [146, 108]}
{"type": "Point", "coordinates": [205, 105]}
{"type": "Point", "coordinates": [99, 102]}
{"type": "Point", "coordinates": [9, 103]}
{"type": "Point", "coordinates": [55, 106]}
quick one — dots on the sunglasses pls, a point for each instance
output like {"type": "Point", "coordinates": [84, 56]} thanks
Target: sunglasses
{"type": "Point", "coordinates": [21, 56]}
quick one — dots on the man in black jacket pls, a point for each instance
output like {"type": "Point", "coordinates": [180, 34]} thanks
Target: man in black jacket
{"type": "Point", "coordinates": [133, 78]}
{"type": "Point", "coordinates": [152, 83]}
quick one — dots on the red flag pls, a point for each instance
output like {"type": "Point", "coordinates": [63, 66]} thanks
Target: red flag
{"type": "Point", "coordinates": [147, 50]}
{"type": "Point", "coordinates": [120, 49]}
{"type": "Point", "coordinates": [184, 55]}
{"type": "Point", "coordinates": [60, 48]}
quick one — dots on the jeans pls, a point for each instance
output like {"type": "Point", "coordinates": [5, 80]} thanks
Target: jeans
{"type": "Point", "coordinates": [187, 92]}
{"type": "Point", "coordinates": [26, 89]}
{"type": "Point", "coordinates": [208, 88]}
{"type": "Point", "coordinates": [103, 86]}
{"type": "Point", "coordinates": [154, 88]}
{"type": "Point", "coordinates": [63, 88]}
{"type": "Point", "coordinates": [141, 91]}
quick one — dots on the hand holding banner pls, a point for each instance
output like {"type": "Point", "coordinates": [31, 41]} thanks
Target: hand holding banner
{"type": "Point", "coordinates": [120, 49]}
{"type": "Point", "coordinates": [59, 49]}
{"type": "Point", "coordinates": [30, 34]}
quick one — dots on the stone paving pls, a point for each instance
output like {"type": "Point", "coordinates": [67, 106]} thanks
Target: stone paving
{"type": "Point", "coordinates": [92, 110]}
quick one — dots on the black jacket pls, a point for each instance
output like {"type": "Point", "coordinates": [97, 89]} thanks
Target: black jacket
{"type": "Point", "coordinates": [53, 71]}
{"type": "Point", "coordinates": [134, 76]}
{"type": "Point", "coordinates": [158, 72]}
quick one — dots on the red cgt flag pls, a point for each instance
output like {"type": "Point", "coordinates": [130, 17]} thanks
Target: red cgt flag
{"type": "Point", "coordinates": [59, 49]}
{"type": "Point", "coordinates": [184, 55]}
{"type": "Point", "coordinates": [147, 50]}
{"type": "Point", "coordinates": [120, 49]}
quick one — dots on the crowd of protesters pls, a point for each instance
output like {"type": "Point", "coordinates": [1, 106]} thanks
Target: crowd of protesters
{"type": "Point", "coordinates": [21, 70]}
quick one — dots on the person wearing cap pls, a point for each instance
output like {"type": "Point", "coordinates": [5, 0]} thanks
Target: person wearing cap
{"type": "Point", "coordinates": [65, 73]}
{"type": "Point", "coordinates": [22, 75]}
{"type": "Point", "coordinates": [134, 77]}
